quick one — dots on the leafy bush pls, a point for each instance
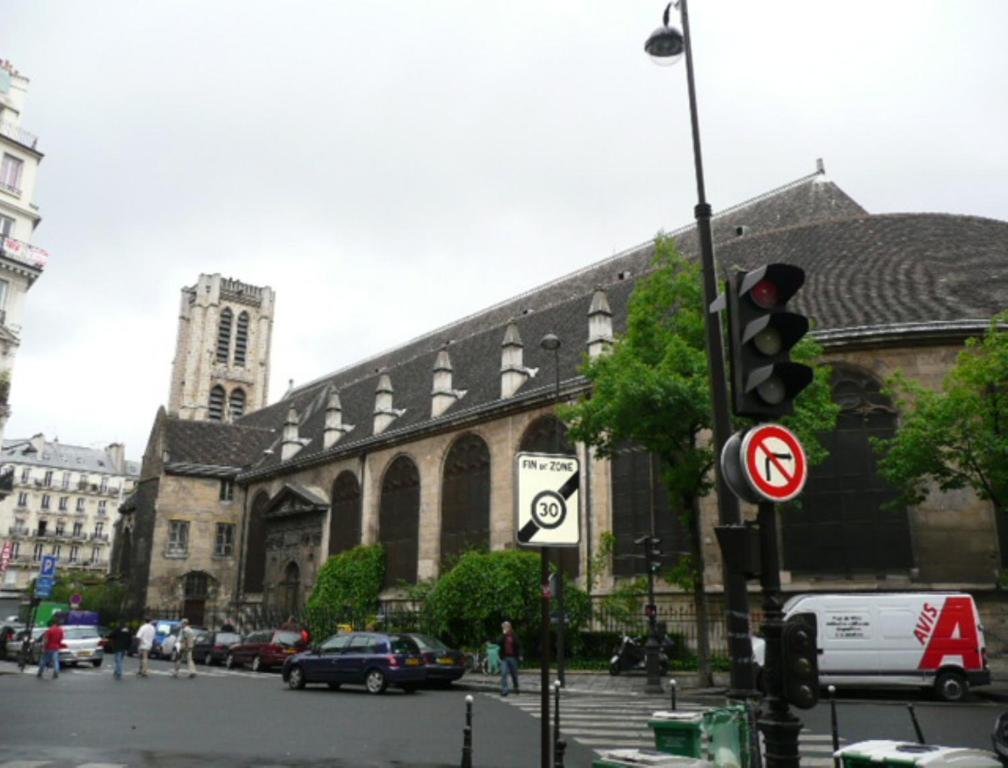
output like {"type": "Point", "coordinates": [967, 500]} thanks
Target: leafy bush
{"type": "Point", "coordinates": [346, 591]}
{"type": "Point", "coordinates": [97, 593]}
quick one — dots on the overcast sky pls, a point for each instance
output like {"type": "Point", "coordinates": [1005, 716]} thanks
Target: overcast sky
{"type": "Point", "coordinates": [388, 167]}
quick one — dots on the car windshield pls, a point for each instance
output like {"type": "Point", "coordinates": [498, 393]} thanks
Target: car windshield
{"type": "Point", "coordinates": [79, 633]}
{"type": "Point", "coordinates": [228, 638]}
{"type": "Point", "coordinates": [287, 638]}
{"type": "Point", "coordinates": [428, 643]}
{"type": "Point", "coordinates": [164, 628]}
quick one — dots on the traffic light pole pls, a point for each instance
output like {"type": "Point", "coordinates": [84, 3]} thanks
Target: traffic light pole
{"type": "Point", "coordinates": [544, 664]}
{"type": "Point", "coordinates": [736, 595]}
{"type": "Point", "coordinates": [651, 646]}
{"type": "Point", "coordinates": [779, 727]}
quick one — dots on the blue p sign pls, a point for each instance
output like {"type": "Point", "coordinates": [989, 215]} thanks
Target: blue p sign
{"type": "Point", "coordinates": [48, 565]}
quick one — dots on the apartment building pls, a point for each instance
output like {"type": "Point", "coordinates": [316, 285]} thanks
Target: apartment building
{"type": "Point", "coordinates": [64, 503]}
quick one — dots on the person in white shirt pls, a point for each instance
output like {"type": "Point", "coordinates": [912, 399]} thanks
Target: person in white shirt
{"type": "Point", "coordinates": [184, 646]}
{"type": "Point", "coordinates": [146, 637]}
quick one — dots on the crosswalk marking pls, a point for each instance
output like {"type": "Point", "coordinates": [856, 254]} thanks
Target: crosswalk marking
{"type": "Point", "coordinates": [44, 763]}
{"type": "Point", "coordinates": [617, 722]}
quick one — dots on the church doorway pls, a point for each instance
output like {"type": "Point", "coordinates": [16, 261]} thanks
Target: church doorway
{"type": "Point", "coordinates": [196, 588]}
{"type": "Point", "coordinates": [290, 589]}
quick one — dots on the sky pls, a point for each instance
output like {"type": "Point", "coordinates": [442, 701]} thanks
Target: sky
{"type": "Point", "coordinates": [389, 167]}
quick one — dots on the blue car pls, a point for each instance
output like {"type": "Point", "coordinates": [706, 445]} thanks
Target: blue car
{"type": "Point", "coordinates": [162, 628]}
{"type": "Point", "coordinates": [371, 659]}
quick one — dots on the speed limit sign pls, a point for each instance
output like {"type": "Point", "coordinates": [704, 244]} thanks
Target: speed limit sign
{"type": "Point", "coordinates": [546, 500]}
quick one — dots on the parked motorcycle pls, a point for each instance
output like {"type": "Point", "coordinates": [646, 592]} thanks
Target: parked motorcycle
{"type": "Point", "coordinates": [630, 656]}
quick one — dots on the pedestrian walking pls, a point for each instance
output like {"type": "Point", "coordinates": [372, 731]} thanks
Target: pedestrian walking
{"type": "Point", "coordinates": [510, 653]}
{"type": "Point", "coordinates": [146, 637]}
{"type": "Point", "coordinates": [119, 643]}
{"type": "Point", "coordinates": [52, 641]}
{"type": "Point", "coordinates": [184, 645]}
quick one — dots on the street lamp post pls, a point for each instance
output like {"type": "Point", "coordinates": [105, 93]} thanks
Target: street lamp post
{"type": "Point", "coordinates": [550, 342]}
{"type": "Point", "coordinates": [665, 45]}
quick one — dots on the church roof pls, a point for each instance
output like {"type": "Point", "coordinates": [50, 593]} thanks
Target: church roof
{"type": "Point", "coordinates": [863, 270]}
{"type": "Point", "coordinates": [192, 446]}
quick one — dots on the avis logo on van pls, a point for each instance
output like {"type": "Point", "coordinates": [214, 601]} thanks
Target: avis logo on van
{"type": "Point", "coordinates": [949, 632]}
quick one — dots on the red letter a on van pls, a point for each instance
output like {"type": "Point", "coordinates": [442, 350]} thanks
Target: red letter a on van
{"type": "Point", "coordinates": [956, 614]}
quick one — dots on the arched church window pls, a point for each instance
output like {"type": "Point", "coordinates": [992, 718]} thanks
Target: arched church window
{"type": "Point", "coordinates": [241, 339]}
{"type": "Point", "coordinates": [345, 523]}
{"type": "Point", "coordinates": [236, 403]}
{"type": "Point", "coordinates": [638, 495]}
{"type": "Point", "coordinates": [399, 521]}
{"type": "Point", "coordinates": [255, 547]}
{"type": "Point", "coordinates": [224, 335]}
{"type": "Point", "coordinates": [547, 434]}
{"type": "Point", "coordinates": [843, 523]}
{"type": "Point", "coordinates": [465, 497]}
{"type": "Point", "coordinates": [215, 410]}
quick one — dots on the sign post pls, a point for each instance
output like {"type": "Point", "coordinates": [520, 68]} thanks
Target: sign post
{"type": "Point", "coordinates": [547, 514]}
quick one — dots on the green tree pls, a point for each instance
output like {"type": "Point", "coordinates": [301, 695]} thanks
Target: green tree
{"type": "Point", "coordinates": [957, 437]}
{"type": "Point", "coordinates": [652, 390]}
{"type": "Point", "coordinates": [347, 590]}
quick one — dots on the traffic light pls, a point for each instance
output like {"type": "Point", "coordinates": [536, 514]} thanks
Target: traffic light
{"type": "Point", "coordinates": [799, 661]}
{"type": "Point", "coordinates": [652, 553]}
{"type": "Point", "coordinates": [761, 334]}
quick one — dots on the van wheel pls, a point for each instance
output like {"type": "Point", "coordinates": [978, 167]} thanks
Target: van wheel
{"type": "Point", "coordinates": [951, 686]}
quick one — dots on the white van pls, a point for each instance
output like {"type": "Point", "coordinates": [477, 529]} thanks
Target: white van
{"type": "Point", "coordinates": [921, 639]}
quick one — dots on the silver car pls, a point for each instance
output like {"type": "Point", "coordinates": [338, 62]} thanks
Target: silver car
{"type": "Point", "coordinates": [81, 645]}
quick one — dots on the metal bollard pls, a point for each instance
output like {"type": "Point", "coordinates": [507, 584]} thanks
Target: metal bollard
{"type": "Point", "coordinates": [467, 735]}
{"type": "Point", "coordinates": [558, 754]}
{"type": "Point", "coordinates": [833, 724]}
{"type": "Point", "coordinates": [556, 721]}
{"type": "Point", "coordinates": [672, 693]}
{"type": "Point", "coordinates": [916, 725]}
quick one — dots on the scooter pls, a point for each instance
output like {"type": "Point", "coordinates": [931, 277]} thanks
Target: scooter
{"type": "Point", "coordinates": [630, 656]}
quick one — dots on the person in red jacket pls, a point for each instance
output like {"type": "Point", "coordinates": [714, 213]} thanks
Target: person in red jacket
{"type": "Point", "coordinates": [52, 641]}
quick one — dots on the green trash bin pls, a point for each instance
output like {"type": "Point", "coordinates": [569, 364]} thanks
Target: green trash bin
{"type": "Point", "coordinates": [678, 733]}
{"type": "Point", "coordinates": [493, 659]}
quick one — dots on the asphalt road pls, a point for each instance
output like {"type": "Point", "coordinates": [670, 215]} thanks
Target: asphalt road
{"type": "Point", "coordinates": [240, 718]}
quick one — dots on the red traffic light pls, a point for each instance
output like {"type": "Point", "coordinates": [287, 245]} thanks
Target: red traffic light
{"type": "Point", "coordinates": [764, 294]}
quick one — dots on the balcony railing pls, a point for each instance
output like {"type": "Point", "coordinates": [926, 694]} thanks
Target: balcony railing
{"type": "Point", "coordinates": [99, 537]}
{"type": "Point", "coordinates": [19, 531]}
{"type": "Point", "coordinates": [18, 134]}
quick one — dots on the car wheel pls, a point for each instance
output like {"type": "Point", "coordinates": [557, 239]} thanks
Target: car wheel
{"type": "Point", "coordinates": [375, 681]}
{"type": "Point", "coordinates": [951, 686]}
{"type": "Point", "coordinates": [409, 687]}
{"type": "Point", "coordinates": [229, 662]}
{"type": "Point", "coordinates": [334, 686]}
{"type": "Point", "coordinates": [296, 679]}
{"type": "Point", "coordinates": [257, 664]}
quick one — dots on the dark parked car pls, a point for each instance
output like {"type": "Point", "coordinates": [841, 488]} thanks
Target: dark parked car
{"type": "Point", "coordinates": [213, 647]}
{"type": "Point", "coordinates": [444, 664]}
{"type": "Point", "coordinates": [371, 659]}
{"type": "Point", "coordinates": [264, 648]}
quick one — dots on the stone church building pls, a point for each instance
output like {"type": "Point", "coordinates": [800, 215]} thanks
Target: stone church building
{"type": "Point", "coordinates": [414, 448]}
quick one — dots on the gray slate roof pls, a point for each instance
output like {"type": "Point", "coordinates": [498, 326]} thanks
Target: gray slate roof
{"type": "Point", "coordinates": [862, 270]}
{"type": "Point", "coordinates": [210, 444]}
{"type": "Point", "coordinates": [61, 456]}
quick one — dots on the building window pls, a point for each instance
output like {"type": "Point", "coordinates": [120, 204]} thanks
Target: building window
{"type": "Point", "coordinates": [241, 339]}
{"type": "Point", "coordinates": [104, 485]}
{"type": "Point", "coordinates": [178, 537]}
{"type": "Point", "coordinates": [16, 550]}
{"type": "Point", "coordinates": [99, 527]}
{"type": "Point", "coordinates": [224, 546]}
{"type": "Point", "coordinates": [74, 553]}
{"type": "Point", "coordinates": [399, 521]}
{"type": "Point", "coordinates": [102, 506]}
{"type": "Point", "coordinates": [37, 553]}
{"type": "Point", "coordinates": [78, 529]}
{"type": "Point", "coordinates": [63, 502]}
{"type": "Point", "coordinates": [345, 524]}
{"type": "Point", "coordinates": [215, 412]}
{"type": "Point", "coordinates": [10, 174]}
{"type": "Point", "coordinates": [465, 498]}
{"type": "Point", "coordinates": [57, 550]}
{"type": "Point", "coordinates": [224, 336]}
{"type": "Point", "coordinates": [95, 554]}
{"type": "Point", "coordinates": [22, 499]}
{"type": "Point", "coordinates": [60, 527]}
{"type": "Point", "coordinates": [236, 403]}
{"type": "Point", "coordinates": [42, 525]}
{"type": "Point", "coordinates": [66, 480]}
{"type": "Point", "coordinates": [47, 481]}
{"type": "Point", "coordinates": [227, 490]}
{"type": "Point", "coordinates": [25, 474]}
{"type": "Point", "coordinates": [6, 226]}
{"type": "Point", "coordinates": [46, 499]}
